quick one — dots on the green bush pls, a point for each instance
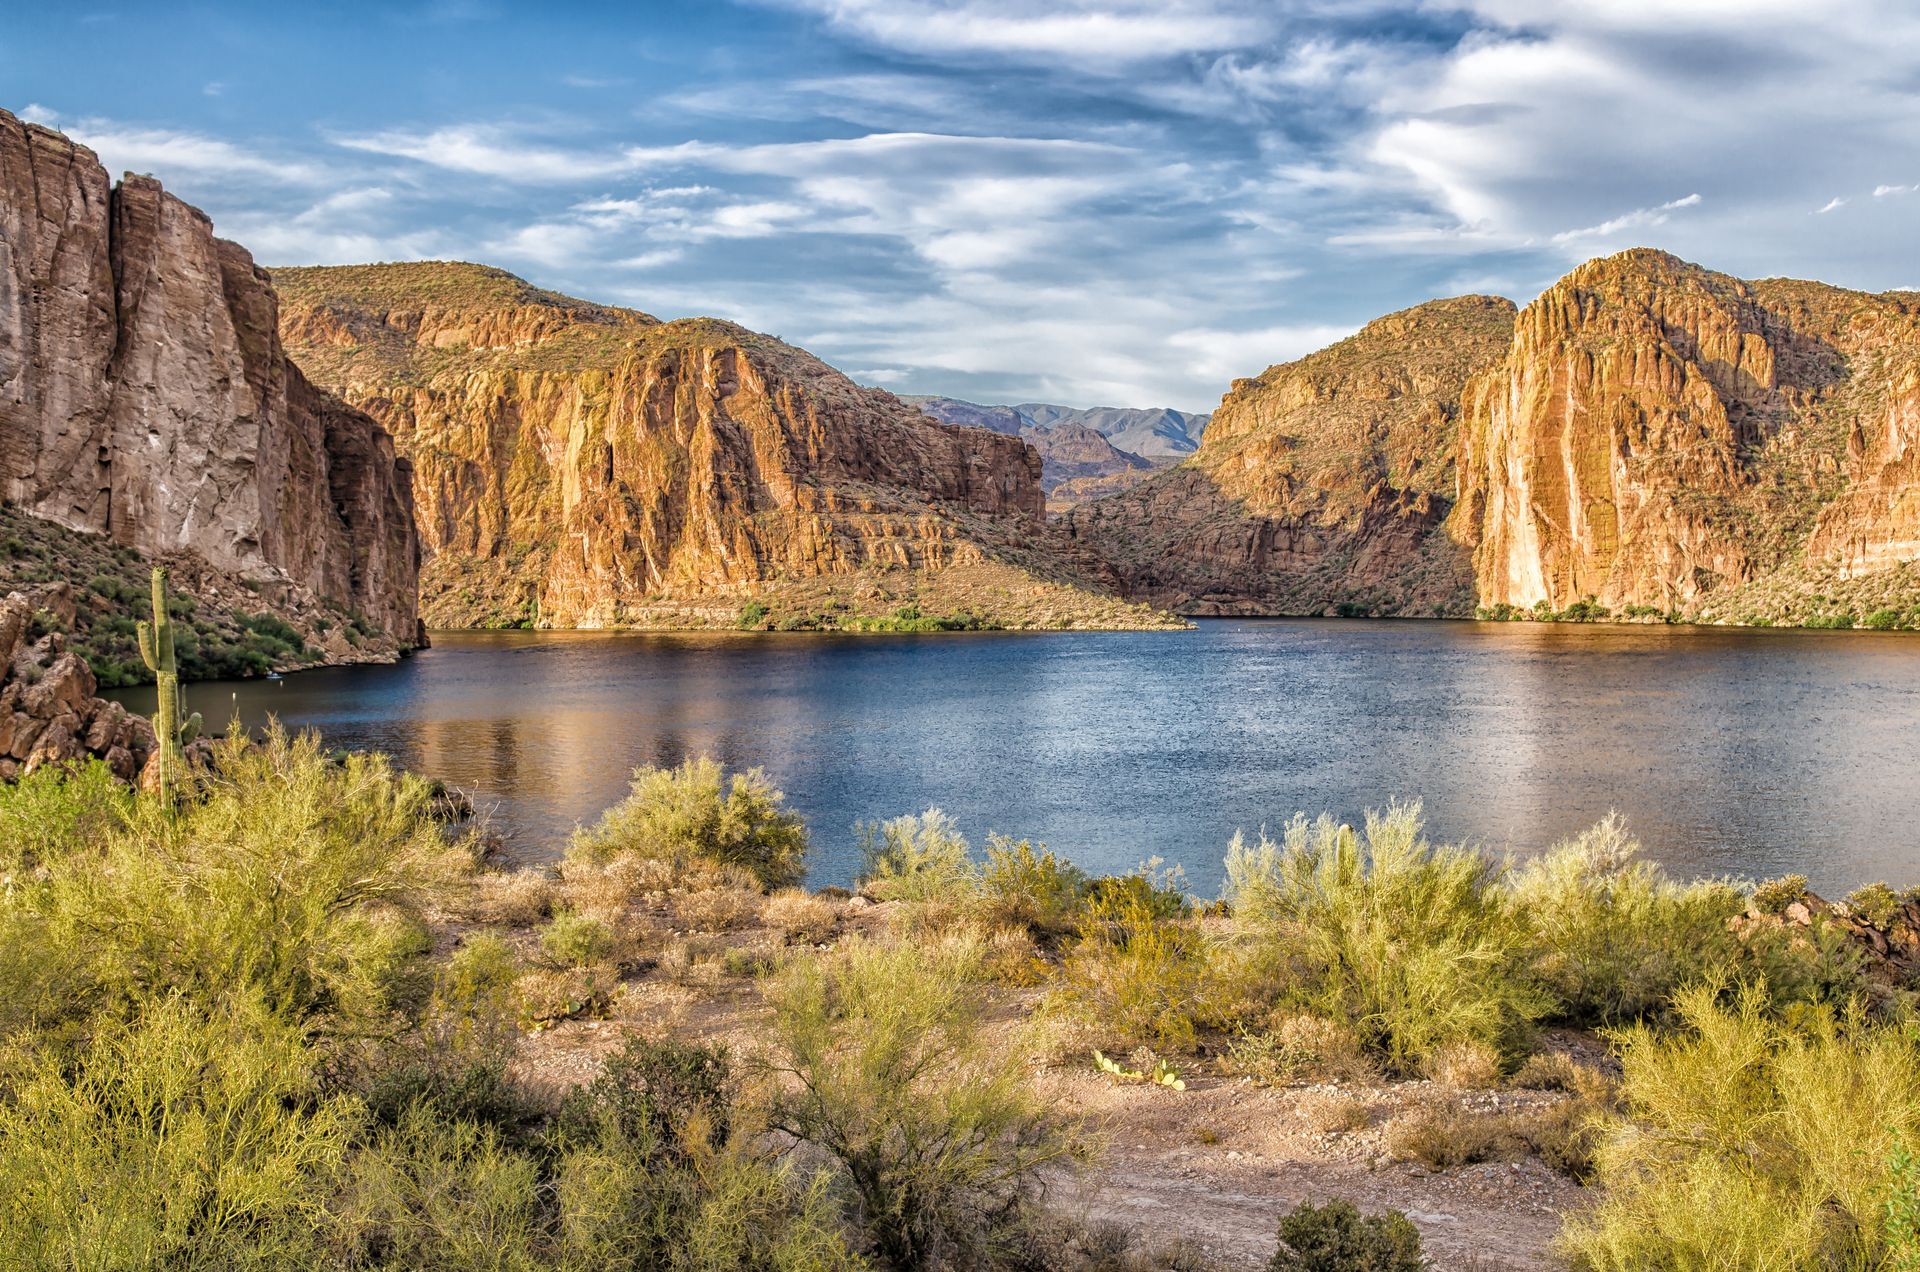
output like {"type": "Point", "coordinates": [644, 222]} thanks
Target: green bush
{"type": "Point", "coordinates": [696, 814]}
{"type": "Point", "coordinates": [938, 1143]}
{"type": "Point", "coordinates": [923, 858]}
{"type": "Point", "coordinates": [1139, 975]}
{"type": "Point", "coordinates": [1752, 1142]}
{"type": "Point", "coordinates": [182, 1137]}
{"type": "Point", "coordinates": [573, 939]}
{"type": "Point", "coordinates": [1022, 886]}
{"type": "Point", "coordinates": [285, 874]}
{"type": "Point", "coordinates": [1336, 1237]}
{"type": "Point", "coordinates": [1609, 935]}
{"type": "Point", "coordinates": [59, 811]}
{"type": "Point", "coordinates": [1415, 944]}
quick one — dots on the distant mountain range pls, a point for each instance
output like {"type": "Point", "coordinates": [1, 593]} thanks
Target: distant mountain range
{"type": "Point", "coordinates": [1086, 451]}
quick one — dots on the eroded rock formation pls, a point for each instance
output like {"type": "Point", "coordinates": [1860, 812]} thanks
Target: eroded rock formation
{"type": "Point", "coordinates": [583, 466]}
{"type": "Point", "coordinates": [49, 709]}
{"type": "Point", "coordinates": [1647, 435]}
{"type": "Point", "coordinates": [1323, 484]}
{"type": "Point", "coordinates": [144, 394]}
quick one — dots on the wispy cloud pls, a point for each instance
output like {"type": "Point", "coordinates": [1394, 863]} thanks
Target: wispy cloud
{"type": "Point", "coordinates": [1638, 219]}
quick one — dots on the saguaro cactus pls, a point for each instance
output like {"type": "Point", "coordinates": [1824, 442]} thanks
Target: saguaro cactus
{"type": "Point", "coordinates": [156, 650]}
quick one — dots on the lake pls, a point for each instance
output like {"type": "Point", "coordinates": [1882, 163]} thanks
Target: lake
{"type": "Point", "coordinates": [1729, 752]}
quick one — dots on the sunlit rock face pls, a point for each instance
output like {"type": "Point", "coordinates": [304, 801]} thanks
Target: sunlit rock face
{"type": "Point", "coordinates": [1646, 433]}
{"type": "Point", "coordinates": [144, 394]}
{"type": "Point", "coordinates": [1325, 483]}
{"type": "Point", "coordinates": [579, 465]}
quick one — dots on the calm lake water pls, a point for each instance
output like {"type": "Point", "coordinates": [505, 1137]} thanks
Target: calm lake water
{"type": "Point", "coordinates": [1751, 752]}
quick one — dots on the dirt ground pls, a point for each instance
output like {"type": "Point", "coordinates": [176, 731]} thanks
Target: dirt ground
{"type": "Point", "coordinates": [1211, 1168]}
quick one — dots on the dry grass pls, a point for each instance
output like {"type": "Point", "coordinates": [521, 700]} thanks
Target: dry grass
{"type": "Point", "coordinates": [549, 996]}
{"type": "Point", "coordinates": [801, 916]}
{"type": "Point", "coordinates": [1465, 1065]}
{"type": "Point", "coordinates": [1443, 1134]}
{"type": "Point", "coordinates": [1328, 1112]}
{"type": "Point", "coordinates": [717, 909]}
{"type": "Point", "coordinates": [1300, 1048]}
{"type": "Point", "coordinates": [518, 899]}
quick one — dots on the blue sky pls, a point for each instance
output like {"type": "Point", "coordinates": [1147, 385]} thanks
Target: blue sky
{"type": "Point", "coordinates": [1094, 202]}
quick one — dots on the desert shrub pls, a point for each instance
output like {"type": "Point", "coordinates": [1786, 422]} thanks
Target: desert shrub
{"type": "Point", "coordinates": [716, 909]}
{"type": "Point", "coordinates": [518, 898]}
{"type": "Point", "coordinates": [1875, 902]}
{"type": "Point", "coordinates": [440, 1196]}
{"type": "Point", "coordinates": [183, 1136]}
{"type": "Point", "coordinates": [287, 873]}
{"type": "Point", "coordinates": [1329, 1111]}
{"type": "Point", "coordinates": [696, 813]}
{"type": "Point", "coordinates": [1564, 1136]}
{"type": "Point", "coordinates": [1441, 1134]}
{"type": "Point", "coordinates": [1137, 975]}
{"type": "Point", "coordinates": [1336, 1237]}
{"type": "Point", "coordinates": [1609, 935]}
{"type": "Point", "coordinates": [1022, 886]}
{"type": "Point", "coordinates": [1900, 1221]}
{"type": "Point", "coordinates": [1463, 1063]}
{"type": "Point", "coordinates": [672, 1098]}
{"type": "Point", "coordinates": [938, 1142]}
{"type": "Point", "coordinates": [1750, 1141]}
{"type": "Point", "coordinates": [1772, 896]}
{"type": "Point", "coordinates": [1413, 943]}
{"type": "Point", "coordinates": [56, 811]}
{"type": "Point", "coordinates": [801, 916]}
{"type": "Point", "coordinates": [456, 1061]}
{"type": "Point", "coordinates": [576, 940]}
{"type": "Point", "coordinates": [1300, 1048]}
{"type": "Point", "coordinates": [915, 858]}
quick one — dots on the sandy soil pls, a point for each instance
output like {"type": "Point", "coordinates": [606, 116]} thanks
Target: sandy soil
{"type": "Point", "coordinates": [1212, 1167]}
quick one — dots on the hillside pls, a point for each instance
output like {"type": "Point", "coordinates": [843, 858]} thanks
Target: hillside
{"type": "Point", "coordinates": [1647, 438]}
{"type": "Point", "coordinates": [1086, 452]}
{"type": "Point", "coordinates": [586, 466]}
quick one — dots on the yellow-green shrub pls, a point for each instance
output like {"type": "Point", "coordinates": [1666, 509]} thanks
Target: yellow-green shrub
{"type": "Point", "coordinates": [697, 814]}
{"type": "Point", "coordinates": [1137, 974]}
{"type": "Point", "coordinates": [1413, 943]}
{"type": "Point", "coordinates": [915, 858]}
{"type": "Point", "coordinates": [186, 1136]}
{"type": "Point", "coordinates": [1609, 935]}
{"type": "Point", "coordinates": [938, 1142]}
{"type": "Point", "coordinates": [1750, 1141]}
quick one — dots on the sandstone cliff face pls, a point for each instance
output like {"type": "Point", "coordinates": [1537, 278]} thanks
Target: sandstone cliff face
{"type": "Point", "coordinates": [1323, 484]}
{"type": "Point", "coordinates": [1647, 434]}
{"type": "Point", "coordinates": [144, 394]}
{"type": "Point", "coordinates": [583, 466]}
{"type": "Point", "coordinates": [1661, 435]}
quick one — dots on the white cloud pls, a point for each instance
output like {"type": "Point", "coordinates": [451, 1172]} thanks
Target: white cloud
{"type": "Point", "coordinates": [166, 152]}
{"type": "Point", "coordinates": [1096, 31]}
{"type": "Point", "coordinates": [1640, 218]}
{"type": "Point", "coordinates": [490, 152]}
{"type": "Point", "coordinates": [1882, 191]}
{"type": "Point", "coordinates": [1831, 205]}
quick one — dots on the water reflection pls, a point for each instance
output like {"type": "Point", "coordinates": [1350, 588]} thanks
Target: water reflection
{"type": "Point", "coordinates": [1747, 752]}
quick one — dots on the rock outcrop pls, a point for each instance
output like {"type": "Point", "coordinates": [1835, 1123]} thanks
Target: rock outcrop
{"type": "Point", "coordinates": [1647, 437]}
{"type": "Point", "coordinates": [1325, 484]}
{"type": "Point", "coordinates": [1085, 452]}
{"type": "Point", "coordinates": [49, 709]}
{"type": "Point", "coordinates": [578, 465]}
{"type": "Point", "coordinates": [145, 396]}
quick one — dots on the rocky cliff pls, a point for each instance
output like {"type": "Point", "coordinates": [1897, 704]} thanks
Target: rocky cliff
{"type": "Point", "coordinates": [1323, 484]}
{"type": "Point", "coordinates": [579, 465]}
{"type": "Point", "coordinates": [1646, 438]}
{"type": "Point", "coordinates": [145, 396]}
{"type": "Point", "coordinates": [49, 711]}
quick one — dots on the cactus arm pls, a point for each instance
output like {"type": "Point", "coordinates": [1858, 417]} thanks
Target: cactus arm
{"type": "Point", "coordinates": [148, 654]}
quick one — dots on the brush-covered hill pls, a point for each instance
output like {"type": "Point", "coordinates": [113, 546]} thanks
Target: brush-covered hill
{"type": "Point", "coordinates": [1646, 438]}
{"type": "Point", "coordinates": [581, 465]}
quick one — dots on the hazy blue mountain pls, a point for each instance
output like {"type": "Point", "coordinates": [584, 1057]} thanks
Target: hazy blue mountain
{"type": "Point", "coordinates": [1156, 433]}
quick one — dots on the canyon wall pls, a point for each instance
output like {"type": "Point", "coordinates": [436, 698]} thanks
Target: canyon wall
{"type": "Point", "coordinates": [1646, 436]}
{"type": "Point", "coordinates": [145, 395]}
{"type": "Point", "coordinates": [578, 465]}
{"type": "Point", "coordinates": [1325, 484]}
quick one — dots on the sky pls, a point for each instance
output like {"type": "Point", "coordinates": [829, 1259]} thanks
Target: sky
{"type": "Point", "coordinates": [1090, 202]}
